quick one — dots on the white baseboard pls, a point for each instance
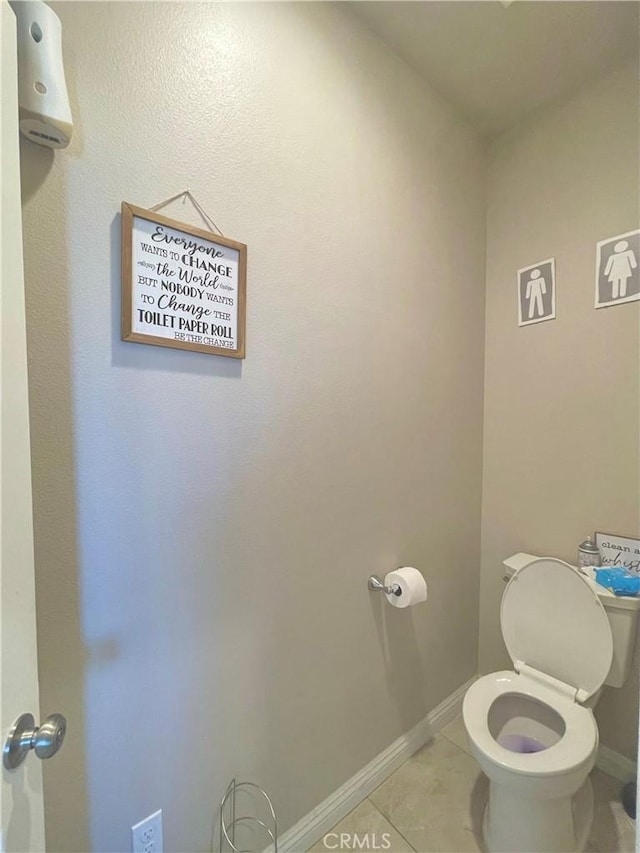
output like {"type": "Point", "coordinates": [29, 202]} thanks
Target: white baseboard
{"type": "Point", "coordinates": [616, 765]}
{"type": "Point", "coordinates": [324, 817]}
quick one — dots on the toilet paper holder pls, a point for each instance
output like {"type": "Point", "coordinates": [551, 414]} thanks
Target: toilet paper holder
{"type": "Point", "coordinates": [374, 583]}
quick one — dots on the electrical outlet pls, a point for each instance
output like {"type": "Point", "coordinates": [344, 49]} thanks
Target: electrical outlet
{"type": "Point", "coordinates": [146, 836]}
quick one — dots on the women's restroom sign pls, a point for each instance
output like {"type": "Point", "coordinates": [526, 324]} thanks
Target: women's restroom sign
{"type": "Point", "coordinates": [182, 287]}
{"type": "Point", "coordinates": [618, 269]}
{"type": "Point", "coordinates": [537, 292]}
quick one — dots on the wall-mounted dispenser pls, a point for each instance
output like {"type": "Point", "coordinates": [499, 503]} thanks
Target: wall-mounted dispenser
{"type": "Point", "coordinates": [45, 114]}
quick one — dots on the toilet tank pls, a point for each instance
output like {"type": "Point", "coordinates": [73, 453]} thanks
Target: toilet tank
{"type": "Point", "coordinates": [622, 612]}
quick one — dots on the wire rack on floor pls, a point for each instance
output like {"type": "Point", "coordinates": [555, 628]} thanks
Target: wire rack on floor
{"type": "Point", "coordinates": [230, 822]}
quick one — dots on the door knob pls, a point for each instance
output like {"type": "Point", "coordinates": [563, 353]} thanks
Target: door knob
{"type": "Point", "coordinates": [24, 736]}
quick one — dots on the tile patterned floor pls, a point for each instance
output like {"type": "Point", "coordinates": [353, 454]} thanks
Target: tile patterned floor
{"type": "Point", "coordinates": [445, 775]}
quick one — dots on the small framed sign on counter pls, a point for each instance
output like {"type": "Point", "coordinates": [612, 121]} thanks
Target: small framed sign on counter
{"type": "Point", "coordinates": [182, 286]}
{"type": "Point", "coordinates": [619, 551]}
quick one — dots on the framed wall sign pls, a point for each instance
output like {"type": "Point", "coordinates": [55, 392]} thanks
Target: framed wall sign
{"type": "Point", "coordinates": [182, 286]}
{"type": "Point", "coordinates": [537, 292]}
{"type": "Point", "coordinates": [617, 269]}
{"type": "Point", "coordinates": [620, 551]}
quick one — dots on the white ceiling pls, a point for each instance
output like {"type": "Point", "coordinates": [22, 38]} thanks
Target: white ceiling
{"type": "Point", "coordinates": [497, 64]}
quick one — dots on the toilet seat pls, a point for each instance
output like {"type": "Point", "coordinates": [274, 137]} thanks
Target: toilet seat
{"type": "Point", "coordinates": [577, 746]}
{"type": "Point", "coordinates": [554, 623]}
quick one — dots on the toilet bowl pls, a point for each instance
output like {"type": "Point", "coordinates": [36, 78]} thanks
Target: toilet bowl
{"type": "Point", "coordinates": [531, 729]}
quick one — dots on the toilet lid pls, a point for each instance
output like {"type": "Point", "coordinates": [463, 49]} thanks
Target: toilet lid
{"type": "Point", "coordinates": [553, 621]}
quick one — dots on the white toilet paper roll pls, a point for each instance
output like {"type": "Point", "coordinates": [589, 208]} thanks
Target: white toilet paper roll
{"type": "Point", "coordinates": [413, 587]}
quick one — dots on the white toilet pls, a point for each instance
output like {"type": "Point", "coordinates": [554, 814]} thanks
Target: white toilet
{"type": "Point", "coordinates": [532, 730]}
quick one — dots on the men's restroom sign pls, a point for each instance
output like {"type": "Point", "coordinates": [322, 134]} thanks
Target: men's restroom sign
{"type": "Point", "coordinates": [537, 293]}
{"type": "Point", "coordinates": [618, 270]}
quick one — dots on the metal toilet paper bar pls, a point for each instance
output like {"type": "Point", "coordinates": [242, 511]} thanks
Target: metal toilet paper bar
{"type": "Point", "coordinates": [374, 583]}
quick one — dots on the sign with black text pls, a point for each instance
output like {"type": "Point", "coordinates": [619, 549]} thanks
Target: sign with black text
{"type": "Point", "coordinates": [182, 286]}
{"type": "Point", "coordinates": [622, 552]}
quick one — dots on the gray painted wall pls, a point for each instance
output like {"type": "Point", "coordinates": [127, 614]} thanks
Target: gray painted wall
{"type": "Point", "coordinates": [561, 453]}
{"type": "Point", "coordinates": [204, 528]}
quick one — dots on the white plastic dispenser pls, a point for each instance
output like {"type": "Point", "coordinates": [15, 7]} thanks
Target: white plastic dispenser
{"type": "Point", "coordinates": [45, 114]}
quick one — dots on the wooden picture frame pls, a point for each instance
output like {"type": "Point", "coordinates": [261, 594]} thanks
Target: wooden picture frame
{"type": "Point", "coordinates": [187, 286]}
